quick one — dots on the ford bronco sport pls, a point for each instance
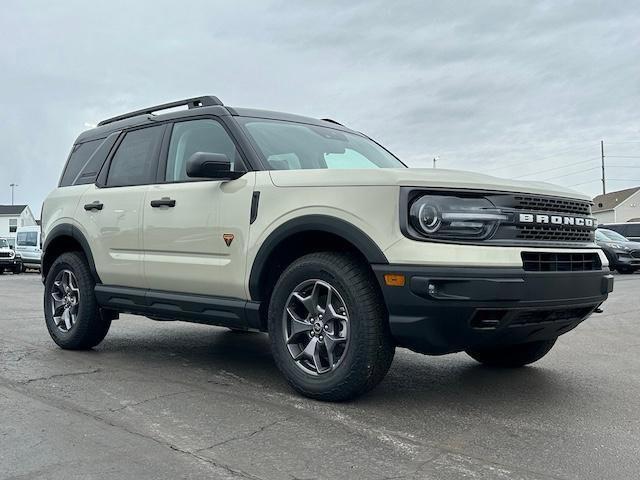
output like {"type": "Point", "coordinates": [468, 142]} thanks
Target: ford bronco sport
{"type": "Point", "coordinates": [316, 234]}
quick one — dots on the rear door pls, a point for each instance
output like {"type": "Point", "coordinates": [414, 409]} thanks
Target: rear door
{"type": "Point", "coordinates": [195, 229]}
{"type": "Point", "coordinates": [111, 213]}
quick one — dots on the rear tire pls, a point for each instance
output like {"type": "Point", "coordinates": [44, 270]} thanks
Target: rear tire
{"type": "Point", "coordinates": [512, 356]}
{"type": "Point", "coordinates": [73, 324]}
{"type": "Point", "coordinates": [351, 345]}
{"type": "Point", "coordinates": [17, 269]}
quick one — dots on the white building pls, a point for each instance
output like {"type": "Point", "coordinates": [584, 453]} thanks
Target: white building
{"type": "Point", "coordinates": [12, 217]}
{"type": "Point", "coordinates": [620, 206]}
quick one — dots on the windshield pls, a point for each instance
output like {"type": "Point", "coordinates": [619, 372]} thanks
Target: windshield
{"type": "Point", "coordinates": [605, 235]}
{"type": "Point", "coordinates": [3, 243]}
{"type": "Point", "coordinates": [295, 146]}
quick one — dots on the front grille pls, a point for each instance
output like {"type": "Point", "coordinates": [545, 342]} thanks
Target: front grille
{"type": "Point", "coordinates": [535, 317]}
{"type": "Point", "coordinates": [4, 254]}
{"type": "Point", "coordinates": [560, 262]}
{"type": "Point", "coordinates": [551, 204]}
{"type": "Point", "coordinates": [528, 212]}
{"type": "Point", "coordinates": [554, 234]}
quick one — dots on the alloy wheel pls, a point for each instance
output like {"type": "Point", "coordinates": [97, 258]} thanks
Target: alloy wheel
{"type": "Point", "coordinates": [65, 300]}
{"type": "Point", "coordinates": [316, 327]}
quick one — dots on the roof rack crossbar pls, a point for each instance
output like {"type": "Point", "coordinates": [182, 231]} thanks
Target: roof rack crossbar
{"type": "Point", "coordinates": [195, 102]}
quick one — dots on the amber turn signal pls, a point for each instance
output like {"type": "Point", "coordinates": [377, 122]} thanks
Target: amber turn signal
{"type": "Point", "coordinates": [394, 280]}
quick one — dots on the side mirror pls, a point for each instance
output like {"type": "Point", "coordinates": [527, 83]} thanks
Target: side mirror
{"type": "Point", "coordinates": [211, 165]}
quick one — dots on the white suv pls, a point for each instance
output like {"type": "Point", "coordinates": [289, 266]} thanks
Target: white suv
{"type": "Point", "coordinates": [303, 228]}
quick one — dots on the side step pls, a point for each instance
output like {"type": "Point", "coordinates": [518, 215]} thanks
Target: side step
{"type": "Point", "coordinates": [209, 310]}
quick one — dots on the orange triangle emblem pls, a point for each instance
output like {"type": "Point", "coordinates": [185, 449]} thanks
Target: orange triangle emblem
{"type": "Point", "coordinates": [228, 238]}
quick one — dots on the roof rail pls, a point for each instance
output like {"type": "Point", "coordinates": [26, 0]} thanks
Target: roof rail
{"type": "Point", "coordinates": [195, 102]}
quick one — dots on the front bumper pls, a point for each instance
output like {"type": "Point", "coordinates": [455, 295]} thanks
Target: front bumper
{"type": "Point", "coordinates": [627, 260]}
{"type": "Point", "coordinates": [442, 310]}
{"type": "Point", "coordinates": [10, 262]}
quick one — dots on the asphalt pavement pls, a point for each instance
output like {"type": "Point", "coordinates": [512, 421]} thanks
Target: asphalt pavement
{"type": "Point", "coordinates": [175, 400]}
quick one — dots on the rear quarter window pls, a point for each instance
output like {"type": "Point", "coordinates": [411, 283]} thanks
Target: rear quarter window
{"type": "Point", "coordinates": [81, 153]}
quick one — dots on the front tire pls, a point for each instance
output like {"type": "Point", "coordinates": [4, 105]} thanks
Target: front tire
{"type": "Point", "coordinates": [328, 327]}
{"type": "Point", "coordinates": [71, 311]}
{"type": "Point", "coordinates": [512, 356]}
{"type": "Point", "coordinates": [625, 270]}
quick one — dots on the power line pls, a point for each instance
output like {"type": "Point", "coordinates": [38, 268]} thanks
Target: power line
{"type": "Point", "coordinates": [556, 168]}
{"type": "Point", "coordinates": [569, 174]}
{"type": "Point", "coordinates": [583, 183]}
{"type": "Point", "coordinates": [528, 162]}
{"type": "Point", "coordinates": [623, 156]}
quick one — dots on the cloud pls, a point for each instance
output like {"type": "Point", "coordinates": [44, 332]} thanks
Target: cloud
{"type": "Point", "coordinates": [508, 87]}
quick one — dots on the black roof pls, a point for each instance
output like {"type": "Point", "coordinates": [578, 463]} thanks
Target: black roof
{"type": "Point", "coordinates": [197, 106]}
{"type": "Point", "coordinates": [11, 209]}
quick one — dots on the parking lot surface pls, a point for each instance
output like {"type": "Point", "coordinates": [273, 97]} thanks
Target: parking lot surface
{"type": "Point", "coordinates": [177, 400]}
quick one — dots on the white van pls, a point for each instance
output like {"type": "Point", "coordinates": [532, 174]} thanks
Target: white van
{"type": "Point", "coordinates": [29, 245]}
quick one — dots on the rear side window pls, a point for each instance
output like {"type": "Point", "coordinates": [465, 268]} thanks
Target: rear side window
{"type": "Point", "coordinates": [80, 156]}
{"type": "Point", "coordinates": [134, 162]}
{"type": "Point", "coordinates": [27, 239]}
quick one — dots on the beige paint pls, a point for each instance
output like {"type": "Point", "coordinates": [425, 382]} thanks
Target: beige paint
{"type": "Point", "coordinates": [182, 249]}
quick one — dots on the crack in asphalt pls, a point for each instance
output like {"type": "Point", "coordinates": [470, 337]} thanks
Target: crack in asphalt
{"type": "Point", "coordinates": [21, 388]}
{"type": "Point", "coordinates": [146, 400]}
{"type": "Point", "coordinates": [60, 375]}
{"type": "Point", "coordinates": [245, 436]}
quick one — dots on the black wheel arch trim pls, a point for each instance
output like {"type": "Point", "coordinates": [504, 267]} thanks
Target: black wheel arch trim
{"type": "Point", "coordinates": [314, 222]}
{"type": "Point", "coordinates": [69, 230]}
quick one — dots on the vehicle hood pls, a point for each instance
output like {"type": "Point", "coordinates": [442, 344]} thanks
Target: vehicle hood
{"type": "Point", "coordinates": [416, 177]}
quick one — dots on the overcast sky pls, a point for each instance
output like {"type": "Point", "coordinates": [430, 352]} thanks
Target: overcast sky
{"type": "Point", "coordinates": [508, 88]}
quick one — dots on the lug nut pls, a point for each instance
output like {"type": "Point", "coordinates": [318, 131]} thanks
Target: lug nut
{"type": "Point", "coordinates": [326, 327]}
{"type": "Point", "coordinates": [321, 337]}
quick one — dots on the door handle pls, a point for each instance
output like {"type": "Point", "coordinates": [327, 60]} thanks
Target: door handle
{"type": "Point", "coordinates": [94, 206]}
{"type": "Point", "coordinates": [163, 202]}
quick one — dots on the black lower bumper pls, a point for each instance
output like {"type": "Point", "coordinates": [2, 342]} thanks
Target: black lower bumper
{"type": "Point", "coordinates": [442, 310]}
{"type": "Point", "coordinates": [9, 264]}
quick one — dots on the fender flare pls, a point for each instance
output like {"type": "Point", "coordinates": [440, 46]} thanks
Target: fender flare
{"type": "Point", "coordinates": [69, 230]}
{"type": "Point", "coordinates": [322, 223]}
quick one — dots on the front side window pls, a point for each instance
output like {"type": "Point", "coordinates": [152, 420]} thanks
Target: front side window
{"type": "Point", "coordinates": [3, 243]}
{"type": "Point", "coordinates": [194, 136]}
{"type": "Point", "coordinates": [293, 146]}
{"type": "Point", "coordinates": [134, 161]}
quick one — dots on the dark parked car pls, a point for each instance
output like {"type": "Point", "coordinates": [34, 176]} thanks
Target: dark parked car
{"type": "Point", "coordinates": [623, 254]}
{"type": "Point", "coordinates": [630, 230]}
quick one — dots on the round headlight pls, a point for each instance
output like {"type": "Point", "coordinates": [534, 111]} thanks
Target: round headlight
{"type": "Point", "coordinates": [429, 218]}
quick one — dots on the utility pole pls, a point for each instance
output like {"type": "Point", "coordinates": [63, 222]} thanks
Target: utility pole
{"type": "Point", "coordinates": [604, 185]}
{"type": "Point", "coordinates": [13, 186]}
{"type": "Point", "coordinates": [435, 159]}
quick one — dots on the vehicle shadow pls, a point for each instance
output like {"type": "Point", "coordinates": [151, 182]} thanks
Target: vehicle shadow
{"type": "Point", "coordinates": [414, 381]}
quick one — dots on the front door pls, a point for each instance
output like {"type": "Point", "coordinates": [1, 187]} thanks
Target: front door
{"type": "Point", "coordinates": [194, 229]}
